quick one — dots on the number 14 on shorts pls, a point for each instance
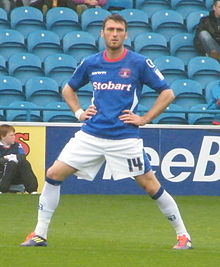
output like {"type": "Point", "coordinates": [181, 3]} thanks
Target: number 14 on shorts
{"type": "Point", "coordinates": [135, 163]}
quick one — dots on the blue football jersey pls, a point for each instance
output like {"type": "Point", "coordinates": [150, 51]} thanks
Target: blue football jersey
{"type": "Point", "coordinates": [117, 85]}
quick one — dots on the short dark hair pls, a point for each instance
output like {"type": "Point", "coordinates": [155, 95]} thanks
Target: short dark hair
{"type": "Point", "coordinates": [215, 2]}
{"type": "Point", "coordinates": [117, 18]}
{"type": "Point", "coordinates": [4, 129]}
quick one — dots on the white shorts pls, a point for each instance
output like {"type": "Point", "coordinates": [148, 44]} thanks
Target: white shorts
{"type": "Point", "coordinates": [87, 153]}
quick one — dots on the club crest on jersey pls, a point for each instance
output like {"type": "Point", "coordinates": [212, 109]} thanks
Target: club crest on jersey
{"type": "Point", "coordinates": [125, 73]}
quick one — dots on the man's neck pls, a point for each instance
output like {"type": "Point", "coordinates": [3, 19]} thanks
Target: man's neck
{"type": "Point", "coordinates": [114, 54]}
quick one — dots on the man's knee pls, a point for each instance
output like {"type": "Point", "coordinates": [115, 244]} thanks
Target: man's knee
{"type": "Point", "coordinates": [205, 36]}
{"type": "Point", "coordinates": [59, 171]}
{"type": "Point", "coordinates": [148, 182]}
{"type": "Point", "coordinates": [53, 174]}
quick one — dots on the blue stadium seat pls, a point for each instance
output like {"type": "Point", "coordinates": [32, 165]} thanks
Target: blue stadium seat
{"type": "Point", "coordinates": [141, 110]}
{"type": "Point", "coordinates": [208, 4]}
{"type": "Point", "coordinates": [43, 43]}
{"type": "Point", "coordinates": [187, 6]}
{"type": "Point", "coordinates": [26, 19]}
{"type": "Point", "coordinates": [176, 115]}
{"type": "Point", "coordinates": [151, 6]}
{"type": "Point", "coordinates": [171, 67]}
{"type": "Point", "coordinates": [200, 118]}
{"type": "Point", "coordinates": [182, 46]}
{"type": "Point", "coordinates": [188, 93]}
{"type": "Point", "coordinates": [79, 44]}
{"type": "Point", "coordinates": [58, 112]}
{"type": "Point", "coordinates": [148, 97]}
{"type": "Point", "coordinates": [85, 95]}
{"type": "Point", "coordinates": [24, 66]}
{"type": "Point", "coordinates": [4, 20]}
{"type": "Point", "coordinates": [3, 66]}
{"type": "Point", "coordinates": [203, 69]}
{"type": "Point", "coordinates": [11, 42]}
{"type": "Point", "coordinates": [42, 90]}
{"type": "Point", "coordinates": [127, 44]}
{"type": "Point", "coordinates": [26, 111]}
{"type": "Point", "coordinates": [10, 90]}
{"type": "Point", "coordinates": [138, 22]}
{"type": "Point", "coordinates": [92, 19]}
{"type": "Point", "coordinates": [151, 45]}
{"type": "Point", "coordinates": [59, 67]}
{"type": "Point", "coordinates": [115, 5]}
{"type": "Point", "coordinates": [208, 89]}
{"type": "Point", "coordinates": [168, 22]}
{"type": "Point", "coordinates": [193, 19]}
{"type": "Point", "coordinates": [62, 20]}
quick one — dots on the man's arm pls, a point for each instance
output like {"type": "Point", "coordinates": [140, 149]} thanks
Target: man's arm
{"type": "Point", "coordinates": [72, 101]}
{"type": "Point", "coordinates": [162, 101]}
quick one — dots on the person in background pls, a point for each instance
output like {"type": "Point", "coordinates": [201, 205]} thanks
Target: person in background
{"type": "Point", "coordinates": [15, 169]}
{"type": "Point", "coordinates": [207, 35]}
{"type": "Point", "coordinates": [7, 4]}
{"type": "Point", "coordinates": [43, 5]}
{"type": "Point", "coordinates": [214, 102]}
{"type": "Point", "coordinates": [81, 5]}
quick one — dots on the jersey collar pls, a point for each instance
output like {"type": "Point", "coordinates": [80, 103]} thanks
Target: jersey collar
{"type": "Point", "coordinates": [116, 59]}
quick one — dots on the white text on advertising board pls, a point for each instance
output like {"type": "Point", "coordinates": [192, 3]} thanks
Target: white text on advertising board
{"type": "Point", "coordinates": [204, 157]}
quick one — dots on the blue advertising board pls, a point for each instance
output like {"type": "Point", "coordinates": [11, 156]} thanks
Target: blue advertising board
{"type": "Point", "coordinates": [185, 160]}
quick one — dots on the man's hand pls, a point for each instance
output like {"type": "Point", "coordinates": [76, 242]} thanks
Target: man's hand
{"type": "Point", "coordinates": [131, 118]}
{"type": "Point", "coordinates": [88, 113]}
{"type": "Point", "coordinates": [91, 2]}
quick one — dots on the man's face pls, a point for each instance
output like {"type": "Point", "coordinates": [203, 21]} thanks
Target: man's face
{"type": "Point", "coordinates": [114, 34]}
{"type": "Point", "coordinates": [216, 9]}
{"type": "Point", "coordinates": [9, 139]}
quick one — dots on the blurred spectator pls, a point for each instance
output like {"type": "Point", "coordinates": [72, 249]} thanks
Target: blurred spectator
{"type": "Point", "coordinates": [81, 5]}
{"type": "Point", "coordinates": [207, 36]}
{"type": "Point", "coordinates": [7, 4]}
{"type": "Point", "coordinates": [15, 169]}
{"type": "Point", "coordinates": [43, 5]}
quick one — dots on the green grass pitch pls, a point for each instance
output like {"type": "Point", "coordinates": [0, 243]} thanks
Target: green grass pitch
{"type": "Point", "coordinates": [109, 231]}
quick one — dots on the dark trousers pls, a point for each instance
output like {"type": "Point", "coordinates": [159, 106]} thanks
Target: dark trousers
{"type": "Point", "coordinates": [18, 173]}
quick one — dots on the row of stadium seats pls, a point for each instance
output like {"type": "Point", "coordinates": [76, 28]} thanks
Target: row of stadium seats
{"type": "Point", "coordinates": [62, 20]}
{"type": "Point", "coordinates": [174, 114]}
{"type": "Point", "coordinates": [44, 90]}
{"type": "Point", "coordinates": [184, 7]}
{"type": "Point", "coordinates": [59, 112]}
{"type": "Point", "coordinates": [80, 44]}
{"type": "Point", "coordinates": [151, 6]}
{"type": "Point", "coordinates": [38, 90]}
{"type": "Point", "coordinates": [28, 111]}
{"type": "Point", "coordinates": [188, 94]}
{"type": "Point", "coordinates": [61, 66]}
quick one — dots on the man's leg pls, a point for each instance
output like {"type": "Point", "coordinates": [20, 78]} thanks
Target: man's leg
{"type": "Point", "coordinates": [27, 175]}
{"type": "Point", "coordinates": [168, 207]}
{"type": "Point", "coordinates": [210, 46]}
{"type": "Point", "coordinates": [48, 202]}
{"type": "Point", "coordinates": [8, 174]}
